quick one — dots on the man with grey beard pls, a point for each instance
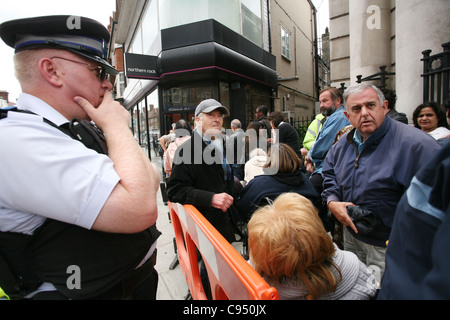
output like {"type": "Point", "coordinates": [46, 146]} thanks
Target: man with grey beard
{"type": "Point", "coordinates": [331, 106]}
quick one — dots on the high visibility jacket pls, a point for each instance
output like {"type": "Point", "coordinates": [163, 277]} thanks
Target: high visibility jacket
{"type": "Point", "coordinates": [3, 295]}
{"type": "Point", "coordinates": [313, 131]}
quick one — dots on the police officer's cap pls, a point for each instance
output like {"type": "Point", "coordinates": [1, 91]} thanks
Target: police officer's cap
{"type": "Point", "coordinates": [80, 35]}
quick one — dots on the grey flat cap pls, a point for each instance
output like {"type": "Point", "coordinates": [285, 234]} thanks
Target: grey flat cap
{"type": "Point", "coordinates": [209, 105]}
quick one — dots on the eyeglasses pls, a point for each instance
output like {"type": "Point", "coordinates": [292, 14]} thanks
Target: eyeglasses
{"type": "Point", "coordinates": [99, 70]}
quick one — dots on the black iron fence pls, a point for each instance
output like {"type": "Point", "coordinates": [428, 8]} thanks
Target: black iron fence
{"type": "Point", "coordinates": [382, 76]}
{"type": "Point", "coordinates": [301, 124]}
{"type": "Point", "coordinates": [436, 74]}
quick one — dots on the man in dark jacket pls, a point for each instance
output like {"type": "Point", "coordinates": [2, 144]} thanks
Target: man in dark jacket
{"type": "Point", "coordinates": [200, 176]}
{"type": "Point", "coordinates": [391, 97]}
{"type": "Point", "coordinates": [418, 258]}
{"type": "Point", "coordinates": [367, 171]}
{"type": "Point", "coordinates": [261, 116]}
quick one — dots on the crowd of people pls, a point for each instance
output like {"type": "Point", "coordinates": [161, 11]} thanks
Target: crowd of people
{"type": "Point", "coordinates": [77, 191]}
{"type": "Point", "coordinates": [351, 179]}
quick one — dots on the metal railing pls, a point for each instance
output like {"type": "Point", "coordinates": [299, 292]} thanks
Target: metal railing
{"type": "Point", "coordinates": [436, 74]}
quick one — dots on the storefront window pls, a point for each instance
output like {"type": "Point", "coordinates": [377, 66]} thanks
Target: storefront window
{"type": "Point", "coordinates": [146, 39]}
{"type": "Point", "coordinates": [136, 44]}
{"type": "Point", "coordinates": [150, 29]}
{"type": "Point", "coordinates": [241, 16]}
{"type": "Point", "coordinates": [180, 102]}
{"type": "Point", "coordinates": [178, 12]}
{"type": "Point", "coordinates": [224, 92]}
{"type": "Point", "coordinates": [145, 122]}
{"type": "Point", "coordinates": [153, 112]}
{"type": "Point", "coordinates": [186, 99]}
{"type": "Point", "coordinates": [251, 21]}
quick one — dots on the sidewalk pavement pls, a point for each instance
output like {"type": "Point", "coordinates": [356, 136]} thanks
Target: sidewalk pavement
{"type": "Point", "coordinates": [172, 284]}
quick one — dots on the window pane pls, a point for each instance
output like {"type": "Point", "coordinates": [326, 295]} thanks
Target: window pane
{"type": "Point", "coordinates": [150, 30]}
{"type": "Point", "coordinates": [251, 21]}
{"type": "Point", "coordinates": [186, 99]}
{"type": "Point", "coordinates": [285, 44]}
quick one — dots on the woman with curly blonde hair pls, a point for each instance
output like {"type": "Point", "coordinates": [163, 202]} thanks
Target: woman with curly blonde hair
{"type": "Point", "coordinates": [290, 248]}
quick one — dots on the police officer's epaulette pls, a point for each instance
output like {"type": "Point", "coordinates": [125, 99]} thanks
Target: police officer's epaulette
{"type": "Point", "coordinates": [84, 131]}
{"type": "Point", "coordinates": [87, 133]}
{"type": "Point", "coordinates": [4, 111]}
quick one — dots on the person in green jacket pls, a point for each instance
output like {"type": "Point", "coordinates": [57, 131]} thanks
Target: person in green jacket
{"type": "Point", "coordinates": [312, 132]}
{"type": "Point", "coordinates": [3, 295]}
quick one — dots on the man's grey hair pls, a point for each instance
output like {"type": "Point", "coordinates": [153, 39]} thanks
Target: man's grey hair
{"type": "Point", "coordinates": [236, 123]}
{"type": "Point", "coordinates": [361, 87]}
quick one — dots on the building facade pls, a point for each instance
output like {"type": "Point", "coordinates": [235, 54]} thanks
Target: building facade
{"type": "Point", "coordinates": [4, 99]}
{"type": "Point", "coordinates": [172, 54]}
{"type": "Point", "coordinates": [368, 34]}
{"type": "Point", "coordinates": [295, 46]}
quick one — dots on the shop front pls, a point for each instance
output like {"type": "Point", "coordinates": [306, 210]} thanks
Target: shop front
{"type": "Point", "coordinates": [199, 61]}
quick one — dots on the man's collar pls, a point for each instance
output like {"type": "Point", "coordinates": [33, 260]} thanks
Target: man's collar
{"type": "Point", "coordinates": [41, 108]}
{"type": "Point", "coordinates": [377, 135]}
{"type": "Point", "coordinates": [357, 138]}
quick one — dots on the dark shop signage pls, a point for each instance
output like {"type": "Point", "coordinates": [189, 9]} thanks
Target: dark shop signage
{"type": "Point", "coordinates": [140, 66]}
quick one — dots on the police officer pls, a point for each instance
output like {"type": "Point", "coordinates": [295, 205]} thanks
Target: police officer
{"type": "Point", "coordinates": [75, 223]}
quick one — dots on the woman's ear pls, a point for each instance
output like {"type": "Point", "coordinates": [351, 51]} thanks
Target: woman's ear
{"type": "Point", "coordinates": [50, 71]}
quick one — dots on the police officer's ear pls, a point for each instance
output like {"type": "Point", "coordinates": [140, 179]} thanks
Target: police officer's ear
{"type": "Point", "coordinates": [50, 71]}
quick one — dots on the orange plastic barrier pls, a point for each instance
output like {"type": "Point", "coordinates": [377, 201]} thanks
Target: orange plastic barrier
{"type": "Point", "coordinates": [230, 276]}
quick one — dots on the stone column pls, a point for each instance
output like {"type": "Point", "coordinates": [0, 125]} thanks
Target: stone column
{"type": "Point", "coordinates": [370, 37]}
